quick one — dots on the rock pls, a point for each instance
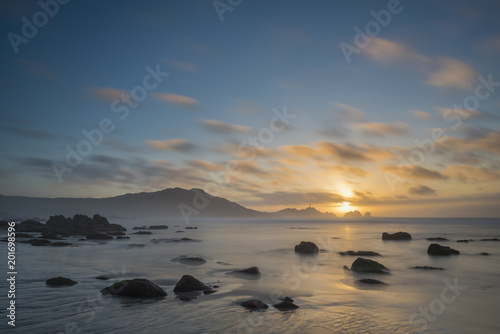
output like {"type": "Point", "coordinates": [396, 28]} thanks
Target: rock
{"type": "Point", "coordinates": [428, 268]}
{"type": "Point", "coordinates": [396, 236]}
{"type": "Point", "coordinates": [367, 215]}
{"type": "Point", "coordinates": [186, 298]}
{"type": "Point", "coordinates": [137, 287]}
{"type": "Point", "coordinates": [29, 226]}
{"type": "Point", "coordinates": [346, 268]}
{"type": "Point", "coordinates": [484, 253]}
{"type": "Point", "coordinates": [143, 232]}
{"type": "Point", "coordinates": [359, 253]}
{"type": "Point", "coordinates": [140, 228]}
{"type": "Point", "coordinates": [306, 247]}
{"type": "Point", "coordinates": [188, 283]}
{"type": "Point", "coordinates": [50, 235]}
{"type": "Point", "coordinates": [463, 240]}
{"type": "Point", "coordinates": [4, 224]}
{"type": "Point", "coordinates": [60, 281]}
{"type": "Point", "coordinates": [135, 245]}
{"type": "Point", "coordinates": [102, 278]}
{"type": "Point", "coordinates": [437, 239]}
{"type": "Point", "coordinates": [287, 299]}
{"type": "Point", "coordinates": [80, 225]}
{"type": "Point", "coordinates": [179, 231]}
{"type": "Point", "coordinates": [122, 238]}
{"type": "Point", "coordinates": [491, 239]}
{"type": "Point", "coordinates": [37, 242]}
{"type": "Point", "coordinates": [283, 306]}
{"type": "Point", "coordinates": [191, 228]}
{"type": "Point", "coordinates": [353, 214]}
{"type": "Point", "coordinates": [248, 273]}
{"type": "Point", "coordinates": [254, 304]}
{"type": "Point", "coordinates": [60, 244]}
{"type": "Point", "coordinates": [191, 261]}
{"type": "Point", "coordinates": [370, 281]}
{"type": "Point", "coordinates": [368, 266]}
{"type": "Point", "coordinates": [119, 233]}
{"type": "Point", "coordinates": [157, 241]}
{"type": "Point", "coordinates": [436, 249]}
{"type": "Point", "coordinates": [98, 236]}
{"type": "Point", "coordinates": [158, 227]}
{"type": "Point", "coordinates": [24, 235]}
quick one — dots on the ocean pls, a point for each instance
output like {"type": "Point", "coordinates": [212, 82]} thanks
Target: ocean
{"type": "Point", "coordinates": [462, 298]}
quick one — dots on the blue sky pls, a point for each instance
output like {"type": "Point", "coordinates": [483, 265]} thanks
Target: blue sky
{"type": "Point", "coordinates": [350, 139]}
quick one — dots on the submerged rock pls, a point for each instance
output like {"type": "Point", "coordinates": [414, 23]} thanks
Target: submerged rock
{"type": "Point", "coordinates": [98, 236]}
{"type": "Point", "coordinates": [157, 241]}
{"type": "Point", "coordinates": [191, 228]}
{"type": "Point", "coordinates": [60, 244]}
{"type": "Point", "coordinates": [484, 253]}
{"type": "Point", "coordinates": [396, 236]}
{"type": "Point", "coordinates": [188, 283]}
{"type": "Point", "coordinates": [306, 247]}
{"type": "Point", "coordinates": [370, 281]}
{"type": "Point", "coordinates": [254, 304]}
{"type": "Point", "coordinates": [248, 273]}
{"type": "Point", "coordinates": [37, 242]}
{"type": "Point", "coordinates": [30, 226]}
{"type": "Point", "coordinates": [137, 288]}
{"type": "Point", "coordinates": [436, 249]}
{"type": "Point", "coordinates": [368, 266]}
{"type": "Point", "coordinates": [158, 227]}
{"type": "Point", "coordinates": [102, 278]}
{"type": "Point", "coordinates": [60, 281]}
{"type": "Point", "coordinates": [463, 240]}
{"type": "Point", "coordinates": [287, 299]}
{"type": "Point", "coordinates": [359, 253]}
{"type": "Point", "coordinates": [283, 306]}
{"type": "Point", "coordinates": [428, 268]}
{"type": "Point", "coordinates": [437, 239]}
{"type": "Point", "coordinates": [491, 239]}
{"type": "Point", "coordinates": [143, 232]}
{"type": "Point", "coordinates": [191, 261]}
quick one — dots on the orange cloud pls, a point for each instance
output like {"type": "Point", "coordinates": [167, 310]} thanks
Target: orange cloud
{"type": "Point", "coordinates": [453, 73]}
{"type": "Point", "coordinates": [224, 127]}
{"type": "Point", "coordinates": [177, 99]}
{"type": "Point", "coordinates": [106, 93]}
{"type": "Point", "coordinates": [178, 144]}
{"type": "Point", "coordinates": [382, 129]}
{"type": "Point", "coordinates": [386, 51]}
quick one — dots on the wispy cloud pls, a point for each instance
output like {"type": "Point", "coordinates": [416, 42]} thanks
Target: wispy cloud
{"type": "Point", "coordinates": [386, 51]}
{"type": "Point", "coordinates": [219, 126]}
{"type": "Point", "coordinates": [106, 93]}
{"type": "Point", "coordinates": [177, 144]}
{"type": "Point", "coordinates": [298, 198]}
{"type": "Point", "coordinates": [422, 190]}
{"type": "Point", "coordinates": [422, 115]}
{"type": "Point", "coordinates": [348, 112]}
{"type": "Point", "coordinates": [183, 66]}
{"type": "Point", "coordinates": [453, 73]}
{"type": "Point", "coordinates": [382, 129]}
{"type": "Point", "coordinates": [415, 172]}
{"type": "Point", "coordinates": [181, 100]}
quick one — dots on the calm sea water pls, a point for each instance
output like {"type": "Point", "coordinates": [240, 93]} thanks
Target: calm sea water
{"type": "Point", "coordinates": [330, 300]}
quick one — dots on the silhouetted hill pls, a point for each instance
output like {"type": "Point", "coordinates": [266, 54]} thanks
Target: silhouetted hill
{"type": "Point", "coordinates": [304, 213]}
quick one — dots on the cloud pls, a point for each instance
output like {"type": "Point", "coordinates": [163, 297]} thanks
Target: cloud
{"type": "Point", "coordinates": [415, 172]}
{"type": "Point", "coordinates": [422, 115]}
{"type": "Point", "coordinates": [106, 93]}
{"type": "Point", "coordinates": [382, 129]}
{"type": "Point", "coordinates": [344, 152]}
{"type": "Point", "coordinates": [386, 51]}
{"type": "Point", "coordinates": [218, 126]}
{"type": "Point", "coordinates": [178, 145]}
{"type": "Point", "coordinates": [120, 146]}
{"type": "Point", "coordinates": [181, 100]}
{"type": "Point", "coordinates": [204, 165]}
{"type": "Point", "coordinates": [453, 73]}
{"type": "Point", "coordinates": [348, 112]}
{"type": "Point", "coordinates": [288, 198]}
{"type": "Point", "coordinates": [463, 113]}
{"type": "Point", "coordinates": [488, 143]}
{"type": "Point", "coordinates": [183, 66]}
{"type": "Point", "coordinates": [422, 190]}
{"type": "Point", "coordinates": [31, 133]}
{"type": "Point", "coordinates": [473, 174]}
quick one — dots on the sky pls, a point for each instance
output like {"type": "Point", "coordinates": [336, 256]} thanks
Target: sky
{"type": "Point", "coordinates": [391, 107]}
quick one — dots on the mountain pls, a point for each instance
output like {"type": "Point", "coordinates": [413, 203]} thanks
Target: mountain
{"type": "Point", "coordinates": [172, 202]}
{"type": "Point", "coordinates": [309, 212]}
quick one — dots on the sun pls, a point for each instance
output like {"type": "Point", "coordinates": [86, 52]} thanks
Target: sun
{"type": "Point", "coordinates": [345, 207]}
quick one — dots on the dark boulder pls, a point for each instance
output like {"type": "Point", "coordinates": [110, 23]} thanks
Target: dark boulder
{"type": "Point", "coordinates": [287, 299]}
{"type": "Point", "coordinates": [396, 236]}
{"type": "Point", "coordinates": [190, 261]}
{"type": "Point", "coordinates": [248, 273]}
{"type": "Point", "coordinates": [137, 288]}
{"type": "Point", "coordinates": [428, 268]}
{"type": "Point", "coordinates": [50, 235]}
{"type": "Point", "coordinates": [143, 232]}
{"type": "Point", "coordinates": [24, 235]}
{"type": "Point", "coordinates": [490, 239]}
{"type": "Point", "coordinates": [158, 227]}
{"type": "Point", "coordinates": [484, 253]}
{"type": "Point", "coordinates": [437, 239]}
{"type": "Point", "coordinates": [98, 236]}
{"type": "Point", "coordinates": [254, 304]}
{"type": "Point", "coordinates": [191, 228]}
{"type": "Point", "coordinates": [283, 306]}
{"type": "Point", "coordinates": [188, 283]}
{"type": "Point", "coordinates": [368, 266]}
{"type": "Point", "coordinates": [119, 233]}
{"type": "Point", "coordinates": [60, 281]}
{"type": "Point", "coordinates": [359, 253]}
{"type": "Point", "coordinates": [436, 249]}
{"type": "Point", "coordinates": [29, 226]}
{"type": "Point", "coordinates": [463, 240]}
{"type": "Point", "coordinates": [140, 228]}
{"type": "Point", "coordinates": [102, 278]}
{"type": "Point", "coordinates": [37, 242]}
{"type": "Point", "coordinates": [370, 281]}
{"type": "Point", "coordinates": [306, 247]}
